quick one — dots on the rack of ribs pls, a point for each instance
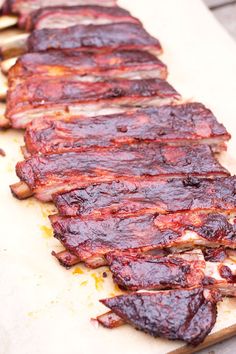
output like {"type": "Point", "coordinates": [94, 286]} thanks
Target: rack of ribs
{"type": "Point", "coordinates": [126, 198]}
{"type": "Point", "coordinates": [38, 97]}
{"type": "Point", "coordinates": [44, 175]}
{"type": "Point", "coordinates": [175, 271]}
{"type": "Point", "coordinates": [189, 123]}
{"type": "Point", "coordinates": [133, 64]}
{"type": "Point", "coordinates": [188, 315]}
{"type": "Point", "coordinates": [91, 239]}
{"type": "Point", "coordinates": [96, 38]}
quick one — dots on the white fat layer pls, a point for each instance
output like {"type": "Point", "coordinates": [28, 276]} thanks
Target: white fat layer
{"type": "Point", "coordinates": [211, 270]}
{"type": "Point", "coordinates": [59, 21]}
{"type": "Point", "coordinates": [22, 118]}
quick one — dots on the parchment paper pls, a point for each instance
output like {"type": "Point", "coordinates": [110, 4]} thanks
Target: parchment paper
{"type": "Point", "coordinates": [45, 309]}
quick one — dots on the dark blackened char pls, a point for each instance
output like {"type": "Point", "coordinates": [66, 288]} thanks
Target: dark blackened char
{"type": "Point", "coordinates": [64, 16]}
{"type": "Point", "coordinates": [87, 238]}
{"type": "Point", "coordinates": [38, 96]}
{"type": "Point", "coordinates": [139, 197]}
{"type": "Point", "coordinates": [49, 174]}
{"type": "Point", "coordinates": [215, 254]}
{"type": "Point", "coordinates": [109, 37]}
{"type": "Point", "coordinates": [175, 271]}
{"type": "Point", "coordinates": [187, 315]}
{"type": "Point", "coordinates": [189, 123]}
{"type": "Point", "coordinates": [121, 63]}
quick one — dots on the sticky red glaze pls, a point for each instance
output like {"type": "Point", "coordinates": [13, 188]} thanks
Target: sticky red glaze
{"type": "Point", "coordinates": [213, 227]}
{"type": "Point", "coordinates": [215, 254]}
{"type": "Point", "coordinates": [136, 272]}
{"type": "Point", "coordinates": [127, 197]}
{"type": "Point", "coordinates": [150, 162]}
{"type": "Point", "coordinates": [187, 124]}
{"type": "Point", "coordinates": [121, 35]}
{"type": "Point", "coordinates": [187, 315]}
{"type": "Point", "coordinates": [87, 238]}
{"type": "Point", "coordinates": [111, 64]}
{"type": "Point", "coordinates": [55, 92]}
{"type": "Point", "coordinates": [90, 237]}
{"type": "Point", "coordinates": [76, 15]}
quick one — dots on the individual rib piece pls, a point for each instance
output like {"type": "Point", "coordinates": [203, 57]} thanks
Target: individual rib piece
{"type": "Point", "coordinates": [91, 239]}
{"type": "Point", "coordinates": [175, 271]}
{"type": "Point", "coordinates": [64, 16]}
{"type": "Point", "coordinates": [48, 174]}
{"type": "Point", "coordinates": [24, 7]}
{"type": "Point", "coordinates": [189, 123]}
{"type": "Point", "coordinates": [38, 97]}
{"type": "Point", "coordinates": [187, 315]}
{"type": "Point", "coordinates": [110, 37]}
{"type": "Point", "coordinates": [139, 197]}
{"type": "Point", "coordinates": [134, 64]}
{"type": "Point", "coordinates": [96, 38]}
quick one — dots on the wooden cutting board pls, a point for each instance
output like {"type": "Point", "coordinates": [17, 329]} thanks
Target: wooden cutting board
{"type": "Point", "coordinates": [46, 309]}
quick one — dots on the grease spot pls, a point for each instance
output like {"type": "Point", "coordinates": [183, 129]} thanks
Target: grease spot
{"type": "Point", "coordinates": [98, 280]}
{"type": "Point", "coordinates": [32, 314]}
{"type": "Point", "coordinates": [47, 210]}
{"type": "Point", "coordinates": [47, 232]}
{"type": "Point", "coordinates": [84, 283]}
{"type": "Point", "coordinates": [9, 168]}
{"type": "Point", "coordinates": [78, 270]}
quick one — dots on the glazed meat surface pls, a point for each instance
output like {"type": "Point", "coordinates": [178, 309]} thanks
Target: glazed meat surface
{"type": "Point", "coordinates": [134, 64]}
{"type": "Point", "coordinates": [93, 238]}
{"type": "Point", "coordinates": [49, 174]}
{"type": "Point", "coordinates": [187, 315]}
{"type": "Point", "coordinates": [25, 7]}
{"type": "Point", "coordinates": [177, 125]}
{"type": "Point", "coordinates": [40, 96]}
{"type": "Point", "coordinates": [107, 37]}
{"type": "Point", "coordinates": [184, 270]}
{"type": "Point", "coordinates": [139, 197]}
{"type": "Point", "coordinates": [64, 16]}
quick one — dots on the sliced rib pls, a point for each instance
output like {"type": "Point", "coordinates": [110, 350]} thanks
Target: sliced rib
{"type": "Point", "coordinates": [24, 7]}
{"type": "Point", "coordinates": [187, 315]}
{"type": "Point", "coordinates": [91, 239]}
{"type": "Point", "coordinates": [175, 271]}
{"type": "Point", "coordinates": [38, 97]}
{"type": "Point", "coordinates": [49, 174]}
{"type": "Point", "coordinates": [65, 16]}
{"type": "Point", "coordinates": [95, 38]}
{"type": "Point", "coordinates": [189, 123]}
{"type": "Point", "coordinates": [134, 64]}
{"type": "Point", "coordinates": [139, 197]}
{"type": "Point", "coordinates": [115, 36]}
